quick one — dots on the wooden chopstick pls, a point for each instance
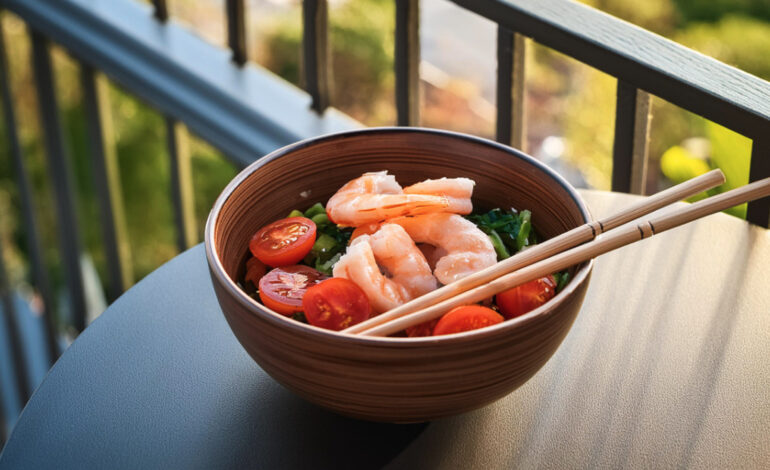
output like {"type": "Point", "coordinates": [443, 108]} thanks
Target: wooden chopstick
{"type": "Point", "coordinates": [611, 241]}
{"type": "Point", "coordinates": [548, 248]}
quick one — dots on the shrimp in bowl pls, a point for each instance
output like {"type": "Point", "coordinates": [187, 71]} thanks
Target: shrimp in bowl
{"type": "Point", "coordinates": [464, 247]}
{"type": "Point", "coordinates": [388, 266]}
{"type": "Point", "coordinates": [376, 196]}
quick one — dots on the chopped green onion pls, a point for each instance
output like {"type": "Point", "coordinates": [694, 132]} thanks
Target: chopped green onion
{"type": "Point", "coordinates": [326, 267]}
{"type": "Point", "coordinates": [320, 219]}
{"type": "Point", "coordinates": [315, 209]}
{"type": "Point", "coordinates": [323, 248]}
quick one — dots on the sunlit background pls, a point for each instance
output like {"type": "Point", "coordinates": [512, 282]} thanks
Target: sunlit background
{"type": "Point", "coordinates": [570, 110]}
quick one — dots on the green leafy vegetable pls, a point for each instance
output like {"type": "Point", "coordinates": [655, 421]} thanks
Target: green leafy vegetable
{"type": "Point", "coordinates": [562, 278]}
{"type": "Point", "coordinates": [296, 213]}
{"type": "Point", "coordinates": [497, 242]}
{"type": "Point", "coordinates": [524, 229]}
{"type": "Point", "coordinates": [509, 231]}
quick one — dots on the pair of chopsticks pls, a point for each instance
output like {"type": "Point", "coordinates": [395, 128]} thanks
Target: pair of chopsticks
{"type": "Point", "coordinates": [563, 251]}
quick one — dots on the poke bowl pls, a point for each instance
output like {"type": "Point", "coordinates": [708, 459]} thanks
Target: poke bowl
{"type": "Point", "coordinates": [392, 379]}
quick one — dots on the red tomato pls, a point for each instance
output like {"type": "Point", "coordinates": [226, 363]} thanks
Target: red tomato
{"type": "Point", "coordinates": [335, 304]}
{"type": "Point", "coordinates": [282, 288]}
{"type": "Point", "coordinates": [423, 329]}
{"type": "Point", "coordinates": [466, 318]}
{"type": "Point", "coordinates": [283, 242]}
{"type": "Point", "coordinates": [255, 269]}
{"type": "Point", "coordinates": [521, 299]}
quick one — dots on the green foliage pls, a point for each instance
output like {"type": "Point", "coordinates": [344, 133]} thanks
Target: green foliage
{"type": "Point", "coordinates": [656, 15]}
{"type": "Point", "coordinates": [740, 41]}
{"type": "Point", "coordinates": [714, 10]}
{"type": "Point", "coordinates": [589, 112]}
{"type": "Point", "coordinates": [210, 172]}
{"type": "Point", "coordinates": [679, 165]}
{"type": "Point", "coordinates": [361, 43]}
{"type": "Point", "coordinates": [731, 152]}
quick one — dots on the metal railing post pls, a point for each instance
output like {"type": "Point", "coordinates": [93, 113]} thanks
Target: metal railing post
{"type": "Point", "coordinates": [181, 184]}
{"type": "Point", "coordinates": [60, 171]}
{"type": "Point", "coordinates": [104, 162]}
{"type": "Point", "coordinates": [511, 96]}
{"type": "Point", "coordinates": [632, 135]}
{"type": "Point", "coordinates": [40, 278]}
{"type": "Point", "coordinates": [407, 62]}
{"type": "Point", "coordinates": [315, 52]}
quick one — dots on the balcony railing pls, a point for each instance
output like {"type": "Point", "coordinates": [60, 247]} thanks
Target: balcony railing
{"type": "Point", "coordinates": [246, 112]}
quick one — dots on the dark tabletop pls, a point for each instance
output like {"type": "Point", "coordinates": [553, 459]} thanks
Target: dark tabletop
{"type": "Point", "coordinates": [651, 375]}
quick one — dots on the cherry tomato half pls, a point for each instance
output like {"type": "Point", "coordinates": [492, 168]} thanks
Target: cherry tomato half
{"type": "Point", "coordinates": [521, 299]}
{"type": "Point", "coordinates": [255, 269]}
{"type": "Point", "coordinates": [335, 304]}
{"type": "Point", "coordinates": [282, 288]}
{"type": "Point", "coordinates": [466, 318]}
{"type": "Point", "coordinates": [283, 242]}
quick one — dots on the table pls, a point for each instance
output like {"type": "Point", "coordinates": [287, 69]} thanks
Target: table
{"type": "Point", "coordinates": [666, 366]}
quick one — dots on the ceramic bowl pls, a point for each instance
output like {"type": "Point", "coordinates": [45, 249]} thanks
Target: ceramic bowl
{"type": "Point", "coordinates": [392, 379]}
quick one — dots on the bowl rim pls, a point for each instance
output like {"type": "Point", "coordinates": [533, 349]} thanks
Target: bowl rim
{"type": "Point", "coordinates": [276, 319]}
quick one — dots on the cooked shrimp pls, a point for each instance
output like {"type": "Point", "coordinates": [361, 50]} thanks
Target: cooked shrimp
{"type": "Point", "coordinates": [458, 192]}
{"type": "Point", "coordinates": [389, 249]}
{"type": "Point", "coordinates": [468, 248]}
{"type": "Point", "coordinates": [375, 197]}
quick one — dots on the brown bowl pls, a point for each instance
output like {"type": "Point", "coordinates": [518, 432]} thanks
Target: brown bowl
{"type": "Point", "coordinates": [392, 379]}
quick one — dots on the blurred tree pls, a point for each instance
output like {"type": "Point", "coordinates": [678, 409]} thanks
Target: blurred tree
{"type": "Point", "coordinates": [740, 41]}
{"type": "Point", "coordinates": [659, 16]}
{"type": "Point", "coordinates": [361, 42]}
{"type": "Point", "coordinates": [714, 10]}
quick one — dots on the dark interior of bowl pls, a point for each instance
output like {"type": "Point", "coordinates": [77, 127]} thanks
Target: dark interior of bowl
{"type": "Point", "coordinates": [300, 175]}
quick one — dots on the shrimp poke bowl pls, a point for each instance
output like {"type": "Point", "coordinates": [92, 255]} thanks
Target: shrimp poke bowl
{"type": "Point", "coordinates": [324, 234]}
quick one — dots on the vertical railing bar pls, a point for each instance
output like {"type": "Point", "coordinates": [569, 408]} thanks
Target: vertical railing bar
{"type": "Point", "coordinates": [632, 127]}
{"type": "Point", "coordinates": [181, 183]}
{"type": "Point", "coordinates": [511, 59]}
{"type": "Point", "coordinates": [161, 10]}
{"type": "Point", "coordinates": [315, 52]}
{"type": "Point", "coordinates": [59, 169]}
{"type": "Point", "coordinates": [641, 142]}
{"type": "Point", "coordinates": [106, 180]}
{"type": "Point", "coordinates": [758, 211]}
{"type": "Point", "coordinates": [407, 62]}
{"type": "Point", "coordinates": [236, 30]}
{"type": "Point", "coordinates": [29, 219]}
{"type": "Point", "coordinates": [13, 332]}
